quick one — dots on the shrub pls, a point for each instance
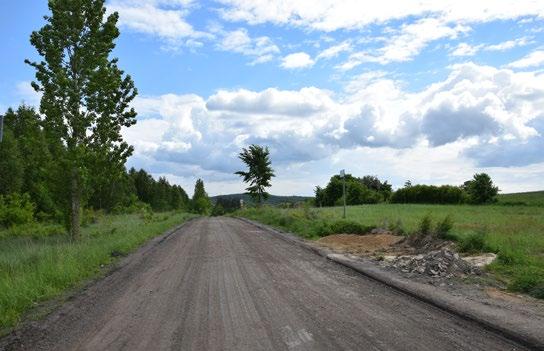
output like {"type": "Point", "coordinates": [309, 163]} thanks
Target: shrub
{"type": "Point", "coordinates": [530, 281]}
{"type": "Point", "coordinates": [34, 230]}
{"type": "Point", "coordinates": [16, 209]}
{"type": "Point", "coordinates": [508, 257]}
{"type": "Point", "coordinates": [349, 227]}
{"type": "Point", "coordinates": [474, 242]}
{"type": "Point", "coordinates": [146, 214]}
{"type": "Point", "coordinates": [424, 226]}
{"type": "Point", "coordinates": [444, 227]}
{"type": "Point", "coordinates": [90, 216]}
{"type": "Point", "coordinates": [397, 227]}
{"type": "Point", "coordinates": [218, 210]}
{"type": "Point", "coordinates": [429, 194]}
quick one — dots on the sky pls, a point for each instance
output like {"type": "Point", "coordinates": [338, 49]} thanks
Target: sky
{"type": "Point", "coordinates": [427, 91]}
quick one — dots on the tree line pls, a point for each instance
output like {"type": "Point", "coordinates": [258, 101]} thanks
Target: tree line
{"type": "Point", "coordinates": [71, 154]}
{"type": "Point", "coordinates": [371, 190]}
{"type": "Point", "coordinates": [33, 182]}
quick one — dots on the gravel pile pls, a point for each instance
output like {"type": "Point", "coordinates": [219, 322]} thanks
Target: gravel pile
{"type": "Point", "coordinates": [440, 263]}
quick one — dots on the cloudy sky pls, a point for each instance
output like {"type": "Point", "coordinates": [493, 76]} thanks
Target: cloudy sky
{"type": "Point", "coordinates": [428, 91]}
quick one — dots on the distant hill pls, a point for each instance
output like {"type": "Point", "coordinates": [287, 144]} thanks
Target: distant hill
{"type": "Point", "coordinates": [272, 200]}
{"type": "Point", "coordinates": [532, 198]}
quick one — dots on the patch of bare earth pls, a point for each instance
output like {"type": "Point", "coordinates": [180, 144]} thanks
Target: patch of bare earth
{"type": "Point", "coordinates": [360, 244]}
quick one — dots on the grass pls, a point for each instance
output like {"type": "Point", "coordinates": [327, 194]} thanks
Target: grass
{"type": "Point", "coordinates": [533, 198]}
{"type": "Point", "coordinates": [516, 233]}
{"type": "Point", "coordinates": [34, 268]}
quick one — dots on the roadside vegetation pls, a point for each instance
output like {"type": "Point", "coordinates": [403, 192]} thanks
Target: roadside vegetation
{"type": "Point", "coordinates": [38, 265]}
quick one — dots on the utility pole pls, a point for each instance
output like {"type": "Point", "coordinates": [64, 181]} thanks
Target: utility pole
{"type": "Point", "coordinates": [343, 174]}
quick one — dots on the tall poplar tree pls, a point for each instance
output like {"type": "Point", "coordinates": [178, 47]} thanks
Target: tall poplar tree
{"type": "Point", "coordinates": [85, 96]}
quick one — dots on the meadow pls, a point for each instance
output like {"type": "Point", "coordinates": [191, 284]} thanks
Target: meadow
{"type": "Point", "coordinates": [531, 198]}
{"type": "Point", "coordinates": [515, 233]}
{"type": "Point", "coordinates": [38, 265]}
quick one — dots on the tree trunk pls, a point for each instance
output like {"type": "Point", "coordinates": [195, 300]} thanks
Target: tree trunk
{"type": "Point", "coordinates": [75, 206]}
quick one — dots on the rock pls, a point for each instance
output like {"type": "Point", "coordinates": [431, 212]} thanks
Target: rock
{"type": "Point", "coordinates": [438, 263]}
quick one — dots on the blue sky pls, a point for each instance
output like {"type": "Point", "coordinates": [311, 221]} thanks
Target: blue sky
{"type": "Point", "coordinates": [432, 91]}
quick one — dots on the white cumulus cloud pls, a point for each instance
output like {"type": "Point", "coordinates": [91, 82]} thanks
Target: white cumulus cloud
{"type": "Point", "coordinates": [297, 60]}
{"type": "Point", "coordinates": [535, 58]}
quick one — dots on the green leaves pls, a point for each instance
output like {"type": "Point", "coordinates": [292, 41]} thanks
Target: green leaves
{"type": "Point", "coordinates": [85, 96]}
{"type": "Point", "coordinates": [259, 171]}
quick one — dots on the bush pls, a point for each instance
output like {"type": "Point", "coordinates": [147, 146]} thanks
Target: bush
{"type": "Point", "coordinates": [429, 194]}
{"type": "Point", "coordinates": [218, 210]}
{"type": "Point", "coordinates": [349, 227]}
{"type": "Point", "coordinates": [397, 227]}
{"type": "Point", "coordinates": [444, 227]}
{"type": "Point", "coordinates": [530, 281]}
{"type": "Point", "coordinates": [473, 243]}
{"type": "Point", "coordinates": [34, 230]}
{"type": "Point", "coordinates": [16, 209]}
{"type": "Point", "coordinates": [424, 226]}
{"type": "Point", "coordinates": [90, 216]}
{"type": "Point", "coordinates": [146, 214]}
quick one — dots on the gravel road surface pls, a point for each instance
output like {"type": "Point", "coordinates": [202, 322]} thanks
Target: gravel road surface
{"type": "Point", "coordinates": [223, 284]}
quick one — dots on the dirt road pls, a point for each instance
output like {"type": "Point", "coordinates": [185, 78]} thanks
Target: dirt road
{"type": "Point", "coordinates": [222, 284]}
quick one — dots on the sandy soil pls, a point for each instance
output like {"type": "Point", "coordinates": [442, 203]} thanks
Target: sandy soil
{"type": "Point", "coordinates": [359, 243]}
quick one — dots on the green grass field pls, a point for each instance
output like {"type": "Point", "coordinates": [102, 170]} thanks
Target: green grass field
{"type": "Point", "coordinates": [34, 268]}
{"type": "Point", "coordinates": [533, 198]}
{"type": "Point", "coordinates": [516, 233]}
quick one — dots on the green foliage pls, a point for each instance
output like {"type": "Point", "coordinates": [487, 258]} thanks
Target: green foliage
{"type": "Point", "coordinates": [200, 202]}
{"type": "Point", "coordinates": [375, 184]}
{"type": "Point", "coordinates": [259, 173]}
{"type": "Point", "coordinates": [443, 227]}
{"type": "Point", "coordinates": [226, 204]}
{"type": "Point", "coordinates": [11, 164]}
{"type": "Point", "coordinates": [91, 216]}
{"type": "Point", "coordinates": [397, 227]}
{"type": "Point", "coordinates": [15, 209]}
{"type": "Point", "coordinates": [33, 230]}
{"type": "Point", "coordinates": [473, 242]}
{"type": "Point", "coordinates": [425, 225]}
{"type": "Point", "coordinates": [319, 196]}
{"type": "Point", "coordinates": [532, 198]}
{"type": "Point", "coordinates": [349, 227]}
{"type": "Point", "coordinates": [36, 268]}
{"type": "Point", "coordinates": [218, 210]}
{"type": "Point", "coordinates": [85, 96]}
{"type": "Point", "coordinates": [481, 189]}
{"type": "Point", "coordinates": [357, 191]}
{"type": "Point", "coordinates": [37, 162]}
{"type": "Point", "coordinates": [160, 195]}
{"type": "Point", "coordinates": [530, 281]}
{"type": "Point", "coordinates": [429, 194]}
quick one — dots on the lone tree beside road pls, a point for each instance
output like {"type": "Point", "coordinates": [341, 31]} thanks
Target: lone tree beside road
{"type": "Point", "coordinates": [85, 96]}
{"type": "Point", "coordinates": [259, 171]}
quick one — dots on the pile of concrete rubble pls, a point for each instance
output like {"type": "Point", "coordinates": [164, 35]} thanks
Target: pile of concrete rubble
{"type": "Point", "coordinates": [439, 263]}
